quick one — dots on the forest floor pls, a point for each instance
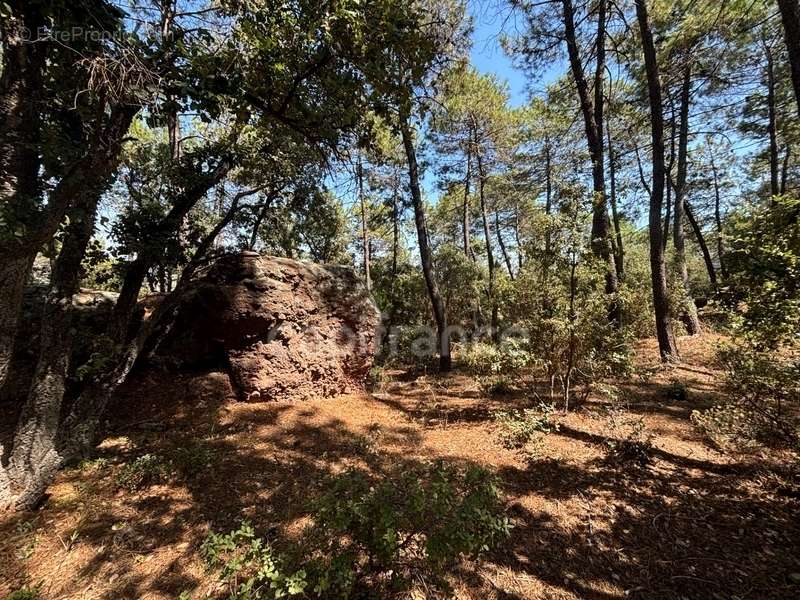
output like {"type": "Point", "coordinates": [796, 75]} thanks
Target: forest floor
{"type": "Point", "coordinates": [690, 523]}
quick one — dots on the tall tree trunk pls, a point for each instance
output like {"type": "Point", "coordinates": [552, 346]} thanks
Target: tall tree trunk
{"type": "Point", "coordinates": [35, 458]}
{"type": "Point", "coordinates": [774, 187]}
{"type": "Point", "coordinates": [14, 272]}
{"type": "Point", "coordinates": [668, 217]}
{"type": "Point", "coordinates": [701, 241]}
{"type": "Point", "coordinates": [364, 228]}
{"type": "Point", "coordinates": [501, 242]}
{"type": "Point", "coordinates": [20, 193]}
{"type": "Point", "coordinates": [548, 198]}
{"type": "Point", "coordinates": [487, 236]}
{"type": "Point", "coordinates": [517, 239]}
{"type": "Point", "coordinates": [593, 124]}
{"type": "Point", "coordinates": [90, 172]}
{"type": "Point", "coordinates": [718, 219]}
{"type": "Point", "coordinates": [689, 312]}
{"type": "Point", "coordinates": [21, 86]}
{"type": "Point", "coordinates": [785, 170]}
{"type": "Point", "coordinates": [619, 261]}
{"type": "Point", "coordinates": [658, 269]}
{"type": "Point", "coordinates": [790, 16]}
{"type": "Point", "coordinates": [465, 207]}
{"type": "Point", "coordinates": [425, 252]}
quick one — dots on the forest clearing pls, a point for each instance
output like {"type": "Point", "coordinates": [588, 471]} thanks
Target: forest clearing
{"type": "Point", "coordinates": [679, 520]}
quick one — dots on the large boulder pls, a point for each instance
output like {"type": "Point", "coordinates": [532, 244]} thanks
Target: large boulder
{"type": "Point", "coordinates": [284, 329]}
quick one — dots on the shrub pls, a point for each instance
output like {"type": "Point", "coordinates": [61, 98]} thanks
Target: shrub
{"type": "Point", "coordinates": [495, 386]}
{"type": "Point", "coordinates": [142, 472]}
{"type": "Point", "coordinates": [193, 458]}
{"type": "Point", "coordinates": [507, 357]}
{"type": "Point", "coordinates": [25, 593]}
{"type": "Point", "coordinates": [381, 534]}
{"type": "Point", "coordinates": [629, 441]}
{"type": "Point", "coordinates": [762, 404]}
{"type": "Point", "coordinates": [518, 427]}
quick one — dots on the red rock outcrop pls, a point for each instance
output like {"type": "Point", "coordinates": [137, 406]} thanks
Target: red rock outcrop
{"type": "Point", "coordinates": [286, 329]}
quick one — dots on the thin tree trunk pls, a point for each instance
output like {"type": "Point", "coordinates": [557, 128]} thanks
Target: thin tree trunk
{"type": "Point", "coordinates": [465, 207]}
{"type": "Point", "coordinates": [502, 244]}
{"type": "Point", "coordinates": [487, 236]}
{"type": "Point", "coordinates": [426, 255]}
{"type": "Point", "coordinates": [772, 132]}
{"type": "Point", "coordinates": [672, 135]}
{"type": "Point", "coordinates": [593, 124]}
{"type": "Point", "coordinates": [517, 238]}
{"type": "Point", "coordinates": [718, 219]}
{"type": "Point", "coordinates": [701, 241]}
{"type": "Point", "coordinates": [658, 270]}
{"type": "Point", "coordinates": [548, 198]}
{"type": "Point", "coordinates": [137, 271]}
{"type": "Point", "coordinates": [790, 16]}
{"type": "Point", "coordinates": [689, 312]}
{"type": "Point", "coordinates": [364, 229]}
{"type": "Point", "coordinates": [612, 167]}
{"type": "Point", "coordinates": [785, 170]}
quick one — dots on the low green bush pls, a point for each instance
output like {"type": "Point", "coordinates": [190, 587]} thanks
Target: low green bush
{"type": "Point", "coordinates": [379, 535]}
{"type": "Point", "coordinates": [146, 470]}
{"type": "Point", "coordinates": [762, 402]}
{"type": "Point", "coordinates": [518, 427]}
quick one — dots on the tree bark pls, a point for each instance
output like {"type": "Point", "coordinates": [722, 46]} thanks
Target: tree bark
{"type": "Point", "coordinates": [501, 242]}
{"type": "Point", "coordinates": [364, 229]}
{"type": "Point", "coordinates": [658, 270]}
{"type": "Point", "coordinates": [790, 16]}
{"type": "Point", "coordinates": [701, 241]}
{"type": "Point", "coordinates": [619, 260]}
{"type": "Point", "coordinates": [137, 271]}
{"type": "Point", "coordinates": [593, 124]}
{"type": "Point", "coordinates": [35, 458]}
{"type": "Point", "coordinates": [487, 236]}
{"type": "Point", "coordinates": [89, 172]}
{"type": "Point", "coordinates": [14, 272]}
{"type": "Point", "coordinates": [548, 198]}
{"type": "Point", "coordinates": [426, 255]}
{"type": "Point", "coordinates": [667, 218]}
{"type": "Point", "coordinates": [465, 207]}
{"type": "Point", "coordinates": [21, 86]}
{"type": "Point", "coordinates": [689, 312]}
{"type": "Point", "coordinates": [718, 219]}
{"type": "Point", "coordinates": [772, 132]}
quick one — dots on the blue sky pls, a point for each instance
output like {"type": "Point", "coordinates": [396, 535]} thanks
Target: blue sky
{"type": "Point", "coordinates": [487, 55]}
{"type": "Point", "coordinates": [491, 18]}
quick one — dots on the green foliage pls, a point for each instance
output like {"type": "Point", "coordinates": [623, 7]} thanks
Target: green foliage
{"type": "Point", "coordinates": [25, 593]}
{"type": "Point", "coordinates": [518, 427]}
{"type": "Point", "coordinates": [762, 403]}
{"type": "Point", "coordinates": [193, 458]}
{"type": "Point", "coordinates": [250, 566]}
{"type": "Point", "coordinates": [99, 269]}
{"type": "Point", "coordinates": [506, 358]}
{"type": "Point", "coordinates": [382, 534]}
{"type": "Point", "coordinates": [627, 440]}
{"type": "Point", "coordinates": [764, 262]}
{"type": "Point", "coordinates": [144, 471]}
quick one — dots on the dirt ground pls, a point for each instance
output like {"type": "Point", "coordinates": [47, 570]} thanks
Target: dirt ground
{"type": "Point", "coordinates": [693, 523]}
